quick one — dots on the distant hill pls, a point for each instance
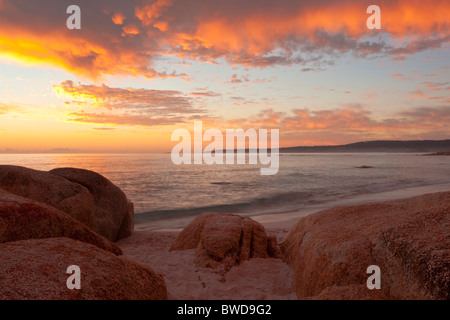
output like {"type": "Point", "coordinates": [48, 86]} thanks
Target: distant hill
{"type": "Point", "coordinates": [378, 146]}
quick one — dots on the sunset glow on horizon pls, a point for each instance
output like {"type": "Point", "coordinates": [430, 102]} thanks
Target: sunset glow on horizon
{"type": "Point", "coordinates": [137, 70]}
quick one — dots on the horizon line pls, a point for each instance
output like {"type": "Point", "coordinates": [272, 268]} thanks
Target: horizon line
{"type": "Point", "coordinates": [75, 151]}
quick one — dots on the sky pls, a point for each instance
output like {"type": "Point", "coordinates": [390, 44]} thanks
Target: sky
{"type": "Point", "coordinates": [139, 69]}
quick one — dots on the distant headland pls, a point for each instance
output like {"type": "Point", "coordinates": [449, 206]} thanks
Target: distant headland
{"type": "Point", "coordinates": [438, 146]}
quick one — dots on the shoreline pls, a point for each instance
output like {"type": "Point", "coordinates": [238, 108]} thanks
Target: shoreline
{"type": "Point", "coordinates": [271, 220]}
{"type": "Point", "coordinates": [282, 215]}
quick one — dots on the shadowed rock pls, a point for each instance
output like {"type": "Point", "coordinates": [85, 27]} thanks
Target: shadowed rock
{"type": "Point", "coordinates": [113, 215]}
{"type": "Point", "coordinates": [224, 240]}
{"type": "Point", "coordinates": [22, 219]}
{"type": "Point", "coordinates": [84, 195]}
{"type": "Point", "coordinates": [127, 226]}
{"type": "Point", "coordinates": [36, 269]}
{"type": "Point", "coordinates": [56, 191]}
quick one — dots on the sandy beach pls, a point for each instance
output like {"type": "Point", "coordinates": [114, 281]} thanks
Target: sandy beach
{"type": "Point", "coordinates": [255, 279]}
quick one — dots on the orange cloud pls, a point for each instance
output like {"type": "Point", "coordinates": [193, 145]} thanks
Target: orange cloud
{"type": "Point", "coordinates": [36, 34]}
{"type": "Point", "coordinates": [399, 76]}
{"type": "Point", "coordinates": [149, 13]}
{"type": "Point", "coordinates": [205, 94]}
{"type": "Point", "coordinates": [427, 89]}
{"type": "Point", "coordinates": [118, 18]}
{"type": "Point", "coordinates": [123, 119]}
{"type": "Point", "coordinates": [130, 29]}
{"type": "Point", "coordinates": [254, 33]}
{"type": "Point", "coordinates": [127, 106]}
{"type": "Point", "coordinates": [250, 33]}
{"type": "Point", "coordinates": [348, 123]}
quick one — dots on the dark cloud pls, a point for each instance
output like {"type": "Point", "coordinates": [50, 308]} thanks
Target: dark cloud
{"type": "Point", "coordinates": [428, 115]}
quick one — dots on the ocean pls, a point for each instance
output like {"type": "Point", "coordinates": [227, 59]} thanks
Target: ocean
{"type": "Point", "coordinates": [160, 189]}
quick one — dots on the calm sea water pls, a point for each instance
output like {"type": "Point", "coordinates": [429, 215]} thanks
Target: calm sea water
{"type": "Point", "coordinates": [158, 187]}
